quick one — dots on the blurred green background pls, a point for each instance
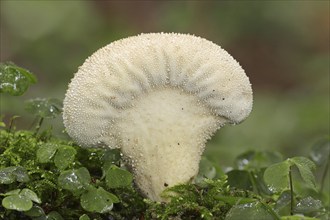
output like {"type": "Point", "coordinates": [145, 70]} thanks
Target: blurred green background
{"type": "Point", "coordinates": [282, 45]}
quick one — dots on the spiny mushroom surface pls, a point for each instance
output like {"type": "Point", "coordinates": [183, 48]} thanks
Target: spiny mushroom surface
{"type": "Point", "coordinates": [158, 97]}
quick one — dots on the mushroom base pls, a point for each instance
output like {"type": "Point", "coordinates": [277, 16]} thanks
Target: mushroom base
{"type": "Point", "coordinates": [163, 137]}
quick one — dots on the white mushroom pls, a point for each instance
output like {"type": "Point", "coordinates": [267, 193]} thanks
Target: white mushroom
{"type": "Point", "coordinates": [158, 97]}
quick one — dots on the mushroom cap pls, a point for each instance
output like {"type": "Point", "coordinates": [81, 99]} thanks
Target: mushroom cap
{"type": "Point", "coordinates": [114, 77]}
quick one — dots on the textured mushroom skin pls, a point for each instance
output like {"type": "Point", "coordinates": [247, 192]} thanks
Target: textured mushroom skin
{"type": "Point", "coordinates": [164, 138]}
{"type": "Point", "coordinates": [157, 97]}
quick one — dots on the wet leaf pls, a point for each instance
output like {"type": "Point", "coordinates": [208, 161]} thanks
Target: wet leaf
{"type": "Point", "coordinates": [17, 202]}
{"type": "Point", "coordinates": [44, 108]}
{"type": "Point", "coordinates": [6, 177]}
{"type": "Point", "coordinates": [20, 200]}
{"type": "Point", "coordinates": [321, 152]}
{"type": "Point", "coordinates": [308, 205]}
{"type": "Point", "coordinates": [277, 176]}
{"type": "Point", "coordinates": [11, 174]}
{"type": "Point", "coordinates": [239, 179]}
{"type": "Point", "coordinates": [283, 203]}
{"type": "Point", "coordinates": [84, 217]}
{"type": "Point", "coordinates": [206, 170]}
{"type": "Point", "coordinates": [30, 194]}
{"type": "Point", "coordinates": [232, 200]}
{"type": "Point", "coordinates": [54, 216]}
{"type": "Point", "coordinates": [306, 168]}
{"type": "Point", "coordinates": [15, 80]}
{"type": "Point", "coordinates": [12, 192]}
{"type": "Point", "coordinates": [36, 211]}
{"type": "Point", "coordinates": [46, 152]}
{"type": "Point", "coordinates": [75, 180]}
{"type": "Point", "coordinates": [97, 200]}
{"type": "Point", "coordinates": [253, 160]}
{"type": "Point", "coordinates": [250, 211]}
{"type": "Point", "coordinates": [110, 158]}
{"type": "Point", "coordinates": [21, 175]}
{"type": "Point", "coordinates": [260, 182]}
{"type": "Point", "coordinates": [116, 177]}
{"type": "Point", "coordinates": [64, 156]}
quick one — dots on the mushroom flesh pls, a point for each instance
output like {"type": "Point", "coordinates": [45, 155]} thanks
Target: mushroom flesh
{"type": "Point", "coordinates": [158, 97]}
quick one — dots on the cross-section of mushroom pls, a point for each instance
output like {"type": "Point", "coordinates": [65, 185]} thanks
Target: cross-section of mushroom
{"type": "Point", "coordinates": [159, 98]}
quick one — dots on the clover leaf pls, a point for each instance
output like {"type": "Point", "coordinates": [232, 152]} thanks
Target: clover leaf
{"type": "Point", "coordinates": [20, 200]}
{"type": "Point", "coordinates": [15, 80]}
{"type": "Point", "coordinates": [98, 200]}
{"type": "Point", "coordinates": [44, 108]}
{"type": "Point", "coordinates": [75, 181]}
{"type": "Point", "coordinates": [116, 177]}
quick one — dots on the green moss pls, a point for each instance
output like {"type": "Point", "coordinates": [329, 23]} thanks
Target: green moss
{"type": "Point", "coordinates": [45, 165]}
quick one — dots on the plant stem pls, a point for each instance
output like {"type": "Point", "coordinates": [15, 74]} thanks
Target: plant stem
{"type": "Point", "coordinates": [11, 124]}
{"type": "Point", "coordinates": [291, 190]}
{"type": "Point", "coordinates": [324, 175]}
{"type": "Point", "coordinates": [271, 211]}
{"type": "Point", "coordinates": [39, 125]}
{"type": "Point", "coordinates": [254, 182]}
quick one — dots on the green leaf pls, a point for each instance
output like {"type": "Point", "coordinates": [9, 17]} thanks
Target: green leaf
{"type": "Point", "coordinates": [75, 181]}
{"type": "Point", "coordinates": [116, 177]}
{"type": "Point", "coordinates": [17, 202]}
{"type": "Point", "coordinates": [283, 203]}
{"type": "Point", "coordinates": [250, 211]}
{"type": "Point", "coordinates": [21, 174]}
{"type": "Point", "coordinates": [36, 211]}
{"type": "Point", "coordinates": [12, 192]}
{"type": "Point", "coordinates": [206, 170]}
{"type": "Point", "coordinates": [84, 217]}
{"type": "Point", "coordinates": [97, 200]}
{"type": "Point", "coordinates": [44, 108]}
{"type": "Point", "coordinates": [109, 158]}
{"type": "Point", "coordinates": [239, 179]}
{"type": "Point", "coordinates": [53, 215]}
{"type": "Point", "coordinates": [11, 174]}
{"type": "Point", "coordinates": [297, 217]}
{"type": "Point", "coordinates": [232, 200]}
{"type": "Point", "coordinates": [46, 152]}
{"type": "Point", "coordinates": [320, 153]}
{"type": "Point", "coordinates": [306, 168]}
{"type": "Point", "coordinates": [2, 123]}
{"type": "Point", "coordinates": [15, 80]}
{"type": "Point", "coordinates": [253, 160]}
{"type": "Point", "coordinates": [6, 177]}
{"type": "Point", "coordinates": [259, 182]}
{"type": "Point", "coordinates": [64, 156]}
{"type": "Point", "coordinates": [277, 176]}
{"type": "Point", "coordinates": [113, 197]}
{"type": "Point", "coordinates": [308, 206]}
{"type": "Point", "coordinates": [30, 194]}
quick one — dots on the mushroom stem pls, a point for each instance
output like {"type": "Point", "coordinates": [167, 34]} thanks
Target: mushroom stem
{"type": "Point", "coordinates": [168, 127]}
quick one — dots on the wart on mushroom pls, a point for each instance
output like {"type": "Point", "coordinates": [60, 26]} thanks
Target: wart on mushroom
{"type": "Point", "coordinates": [158, 97]}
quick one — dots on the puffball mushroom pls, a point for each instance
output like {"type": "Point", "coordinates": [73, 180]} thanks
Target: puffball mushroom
{"type": "Point", "coordinates": [158, 97]}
